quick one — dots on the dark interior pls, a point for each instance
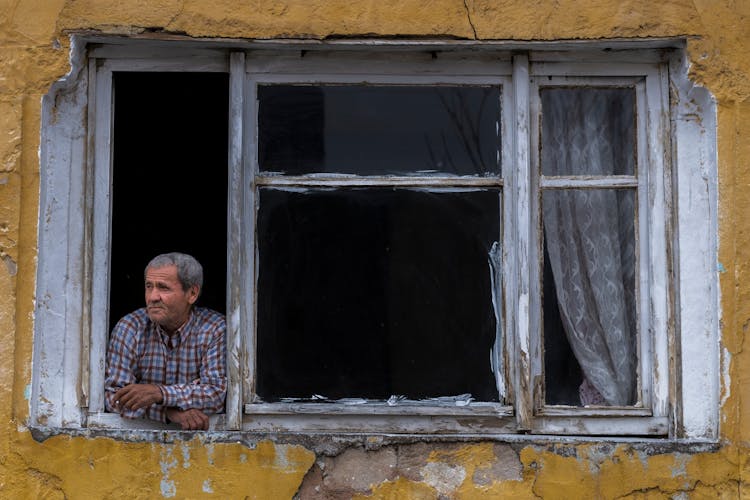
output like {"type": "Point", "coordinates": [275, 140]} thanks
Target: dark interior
{"type": "Point", "coordinates": [562, 373]}
{"type": "Point", "coordinates": [375, 292]}
{"type": "Point", "coordinates": [169, 180]}
{"type": "Point", "coordinates": [379, 129]}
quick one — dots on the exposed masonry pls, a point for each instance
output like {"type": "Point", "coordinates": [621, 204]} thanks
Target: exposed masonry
{"type": "Point", "coordinates": [356, 470]}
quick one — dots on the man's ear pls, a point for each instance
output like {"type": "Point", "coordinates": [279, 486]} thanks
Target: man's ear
{"type": "Point", "coordinates": [193, 293]}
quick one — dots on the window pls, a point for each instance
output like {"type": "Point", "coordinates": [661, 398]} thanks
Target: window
{"type": "Point", "coordinates": [441, 240]}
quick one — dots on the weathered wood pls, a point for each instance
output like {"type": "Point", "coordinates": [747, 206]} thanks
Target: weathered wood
{"type": "Point", "coordinates": [101, 183]}
{"type": "Point", "coordinates": [588, 182]}
{"type": "Point", "coordinates": [86, 331]}
{"type": "Point", "coordinates": [437, 181]}
{"type": "Point", "coordinates": [521, 240]}
{"type": "Point", "coordinates": [235, 243]}
{"type": "Point", "coordinates": [602, 426]}
{"type": "Point", "coordinates": [577, 411]}
{"type": "Point", "coordinates": [380, 424]}
{"type": "Point", "coordinates": [380, 408]}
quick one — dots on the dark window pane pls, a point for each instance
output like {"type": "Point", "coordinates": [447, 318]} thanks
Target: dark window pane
{"type": "Point", "coordinates": [588, 131]}
{"type": "Point", "coordinates": [376, 292]}
{"type": "Point", "coordinates": [589, 296]}
{"type": "Point", "coordinates": [169, 180]}
{"type": "Point", "coordinates": [378, 130]}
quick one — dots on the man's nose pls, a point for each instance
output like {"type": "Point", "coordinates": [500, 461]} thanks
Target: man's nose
{"type": "Point", "coordinates": [152, 295]}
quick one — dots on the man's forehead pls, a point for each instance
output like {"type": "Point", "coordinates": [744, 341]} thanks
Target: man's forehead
{"type": "Point", "coordinates": [163, 273]}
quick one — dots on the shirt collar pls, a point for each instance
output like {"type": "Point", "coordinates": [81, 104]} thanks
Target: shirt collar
{"type": "Point", "coordinates": [180, 333]}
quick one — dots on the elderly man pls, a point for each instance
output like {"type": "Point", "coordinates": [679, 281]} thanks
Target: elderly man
{"type": "Point", "coordinates": [167, 361]}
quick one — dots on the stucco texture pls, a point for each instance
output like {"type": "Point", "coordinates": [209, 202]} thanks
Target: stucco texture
{"type": "Point", "coordinates": [34, 52]}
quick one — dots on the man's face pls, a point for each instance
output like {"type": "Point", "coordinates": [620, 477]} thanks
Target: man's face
{"type": "Point", "coordinates": [167, 303]}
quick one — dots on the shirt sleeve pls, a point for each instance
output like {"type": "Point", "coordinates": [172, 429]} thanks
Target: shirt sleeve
{"type": "Point", "coordinates": [122, 362]}
{"type": "Point", "coordinates": [208, 392]}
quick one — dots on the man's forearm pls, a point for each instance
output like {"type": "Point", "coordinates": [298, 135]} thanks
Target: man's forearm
{"type": "Point", "coordinates": [203, 396]}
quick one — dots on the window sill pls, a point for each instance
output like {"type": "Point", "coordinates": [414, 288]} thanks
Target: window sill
{"type": "Point", "coordinates": [103, 420]}
{"type": "Point", "coordinates": [377, 418]}
{"type": "Point", "coordinates": [368, 435]}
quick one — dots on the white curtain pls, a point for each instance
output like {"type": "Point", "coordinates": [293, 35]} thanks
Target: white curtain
{"type": "Point", "coordinates": [590, 236]}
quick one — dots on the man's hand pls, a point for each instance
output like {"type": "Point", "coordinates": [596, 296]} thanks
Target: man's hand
{"type": "Point", "coordinates": [136, 396]}
{"type": "Point", "coordinates": [190, 420]}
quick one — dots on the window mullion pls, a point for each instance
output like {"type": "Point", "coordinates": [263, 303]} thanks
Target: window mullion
{"type": "Point", "coordinates": [237, 309]}
{"type": "Point", "coordinates": [518, 200]}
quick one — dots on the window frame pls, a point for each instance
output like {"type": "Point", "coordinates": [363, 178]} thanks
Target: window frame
{"type": "Point", "coordinates": [101, 113]}
{"type": "Point", "coordinates": [652, 179]}
{"type": "Point", "coordinates": [75, 401]}
{"type": "Point", "coordinates": [351, 68]}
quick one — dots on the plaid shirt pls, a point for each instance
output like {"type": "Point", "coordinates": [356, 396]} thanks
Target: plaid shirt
{"type": "Point", "coordinates": [192, 374]}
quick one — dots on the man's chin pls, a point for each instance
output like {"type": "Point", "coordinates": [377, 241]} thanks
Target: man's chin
{"type": "Point", "coordinates": [154, 314]}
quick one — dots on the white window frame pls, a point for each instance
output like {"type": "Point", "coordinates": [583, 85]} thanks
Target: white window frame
{"type": "Point", "coordinates": [74, 234]}
{"type": "Point", "coordinates": [384, 68]}
{"type": "Point", "coordinates": [652, 182]}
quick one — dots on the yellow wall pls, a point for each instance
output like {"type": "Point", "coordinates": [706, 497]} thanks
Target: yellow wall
{"type": "Point", "coordinates": [34, 53]}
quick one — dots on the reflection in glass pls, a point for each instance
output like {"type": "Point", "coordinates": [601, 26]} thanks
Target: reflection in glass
{"type": "Point", "coordinates": [376, 292]}
{"type": "Point", "coordinates": [591, 251]}
{"type": "Point", "coordinates": [379, 130]}
{"type": "Point", "coordinates": [588, 131]}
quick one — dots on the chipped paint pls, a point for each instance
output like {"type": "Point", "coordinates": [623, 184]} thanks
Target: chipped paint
{"type": "Point", "coordinates": [167, 463]}
{"type": "Point", "coordinates": [35, 52]}
{"type": "Point", "coordinates": [207, 486]}
{"type": "Point", "coordinates": [497, 353]}
{"type": "Point", "coordinates": [10, 265]}
{"type": "Point", "coordinates": [185, 455]}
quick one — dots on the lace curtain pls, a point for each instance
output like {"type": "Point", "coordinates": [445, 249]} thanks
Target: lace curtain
{"type": "Point", "coordinates": [590, 235]}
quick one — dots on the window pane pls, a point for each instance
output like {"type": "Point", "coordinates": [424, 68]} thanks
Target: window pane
{"type": "Point", "coordinates": [589, 297]}
{"type": "Point", "coordinates": [379, 130]}
{"type": "Point", "coordinates": [588, 131]}
{"type": "Point", "coordinates": [376, 292]}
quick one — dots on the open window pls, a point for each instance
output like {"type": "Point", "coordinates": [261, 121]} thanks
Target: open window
{"type": "Point", "coordinates": [420, 241]}
{"type": "Point", "coordinates": [169, 180]}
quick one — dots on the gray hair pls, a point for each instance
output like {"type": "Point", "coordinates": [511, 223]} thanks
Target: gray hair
{"type": "Point", "coordinates": [189, 270]}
